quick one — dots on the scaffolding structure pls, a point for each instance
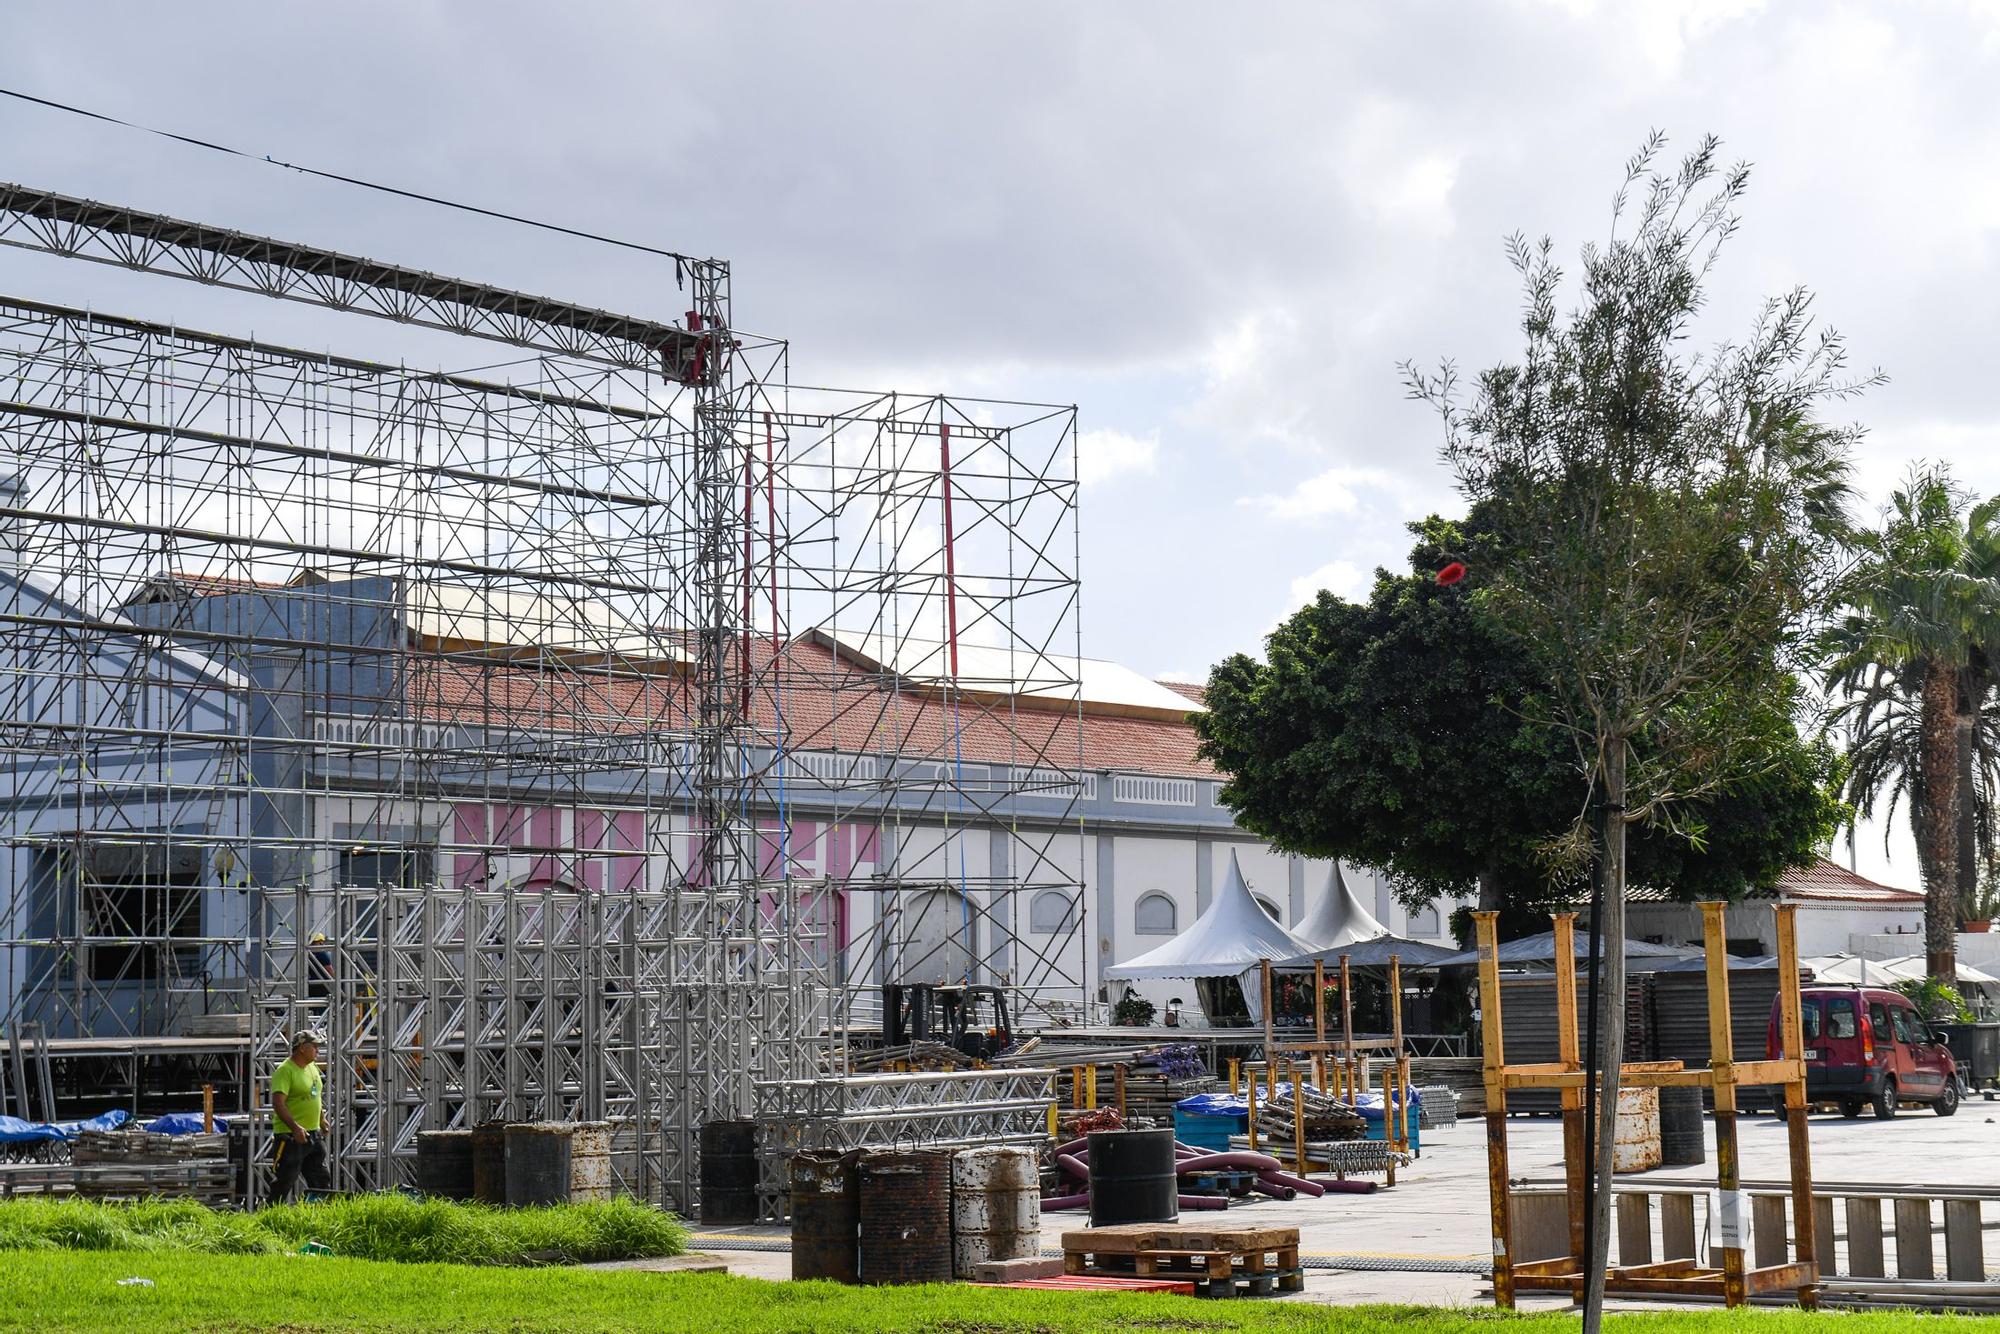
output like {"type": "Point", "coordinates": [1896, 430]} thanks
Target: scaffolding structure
{"type": "Point", "coordinates": [586, 736]}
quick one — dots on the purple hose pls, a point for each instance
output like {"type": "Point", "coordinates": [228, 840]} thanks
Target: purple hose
{"type": "Point", "coordinates": [1200, 1202]}
{"type": "Point", "coordinates": [1349, 1187]}
{"type": "Point", "coordinates": [1073, 1166]}
{"type": "Point", "coordinates": [1239, 1159]}
{"type": "Point", "coordinates": [1263, 1187]}
{"type": "Point", "coordinates": [1300, 1184]}
{"type": "Point", "coordinates": [1054, 1202]}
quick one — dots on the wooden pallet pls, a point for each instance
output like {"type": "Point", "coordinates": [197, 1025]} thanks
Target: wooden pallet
{"type": "Point", "coordinates": [1218, 1261]}
{"type": "Point", "coordinates": [1100, 1283]}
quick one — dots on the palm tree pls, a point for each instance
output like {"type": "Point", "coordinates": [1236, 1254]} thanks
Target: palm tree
{"type": "Point", "coordinates": [1923, 607]}
{"type": "Point", "coordinates": [1880, 718]}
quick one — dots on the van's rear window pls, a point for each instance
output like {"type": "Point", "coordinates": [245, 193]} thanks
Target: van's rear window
{"type": "Point", "coordinates": [1809, 1017]}
{"type": "Point", "coordinates": [1841, 1021]}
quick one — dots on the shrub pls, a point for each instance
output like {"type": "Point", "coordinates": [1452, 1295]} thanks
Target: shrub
{"type": "Point", "coordinates": [391, 1227]}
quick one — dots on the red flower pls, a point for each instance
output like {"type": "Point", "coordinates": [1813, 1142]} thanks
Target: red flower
{"type": "Point", "coordinates": [1451, 574]}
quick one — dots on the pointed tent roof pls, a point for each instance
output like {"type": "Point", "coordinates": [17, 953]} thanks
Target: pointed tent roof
{"type": "Point", "coordinates": [1234, 934]}
{"type": "Point", "coordinates": [1339, 919]}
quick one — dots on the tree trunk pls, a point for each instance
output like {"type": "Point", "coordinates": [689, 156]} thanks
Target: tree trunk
{"type": "Point", "coordinates": [1489, 889]}
{"type": "Point", "coordinates": [1937, 831]}
{"type": "Point", "coordinates": [1609, 998]}
{"type": "Point", "coordinates": [1967, 879]}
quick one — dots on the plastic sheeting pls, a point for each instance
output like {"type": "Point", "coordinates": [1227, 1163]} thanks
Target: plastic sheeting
{"type": "Point", "coordinates": [13, 1130]}
{"type": "Point", "coordinates": [184, 1123]}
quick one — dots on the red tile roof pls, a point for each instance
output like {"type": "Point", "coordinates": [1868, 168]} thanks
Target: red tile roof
{"type": "Point", "coordinates": [822, 702]}
{"type": "Point", "coordinates": [1827, 882]}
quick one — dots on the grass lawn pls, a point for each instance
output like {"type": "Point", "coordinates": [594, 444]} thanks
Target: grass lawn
{"type": "Point", "coordinates": [49, 1291]}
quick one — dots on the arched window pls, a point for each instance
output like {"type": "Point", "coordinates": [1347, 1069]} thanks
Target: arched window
{"type": "Point", "coordinates": [1270, 908]}
{"type": "Point", "coordinates": [1425, 923]}
{"type": "Point", "coordinates": [1154, 915]}
{"type": "Point", "coordinates": [1052, 913]}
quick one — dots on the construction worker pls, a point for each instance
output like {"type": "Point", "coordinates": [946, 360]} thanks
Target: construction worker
{"type": "Point", "coordinates": [295, 1105]}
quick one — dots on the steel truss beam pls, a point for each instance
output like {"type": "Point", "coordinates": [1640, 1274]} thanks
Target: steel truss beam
{"type": "Point", "coordinates": [154, 243]}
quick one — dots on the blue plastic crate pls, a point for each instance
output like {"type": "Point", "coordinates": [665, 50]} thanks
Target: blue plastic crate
{"type": "Point", "coordinates": [1208, 1132]}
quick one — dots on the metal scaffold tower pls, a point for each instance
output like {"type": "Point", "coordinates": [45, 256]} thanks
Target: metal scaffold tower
{"type": "Point", "coordinates": [588, 736]}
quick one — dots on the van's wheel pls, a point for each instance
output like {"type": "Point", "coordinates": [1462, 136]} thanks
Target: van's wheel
{"type": "Point", "coordinates": [1885, 1101]}
{"type": "Point", "coordinates": [1947, 1101]}
{"type": "Point", "coordinates": [1851, 1108]}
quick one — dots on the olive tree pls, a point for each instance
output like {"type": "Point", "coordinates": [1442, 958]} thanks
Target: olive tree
{"type": "Point", "coordinates": [1668, 520]}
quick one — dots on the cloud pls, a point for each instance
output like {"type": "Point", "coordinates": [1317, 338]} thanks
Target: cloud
{"type": "Point", "coordinates": [1335, 491]}
{"type": "Point", "coordinates": [1105, 454]}
{"type": "Point", "coordinates": [1342, 578]}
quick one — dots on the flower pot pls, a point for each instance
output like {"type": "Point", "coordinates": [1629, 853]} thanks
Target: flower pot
{"type": "Point", "coordinates": [1977, 928]}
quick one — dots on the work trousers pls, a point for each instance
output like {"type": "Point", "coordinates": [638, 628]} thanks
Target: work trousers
{"type": "Point", "coordinates": [294, 1158]}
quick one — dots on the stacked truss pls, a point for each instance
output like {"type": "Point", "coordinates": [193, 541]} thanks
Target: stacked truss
{"type": "Point", "coordinates": [585, 737]}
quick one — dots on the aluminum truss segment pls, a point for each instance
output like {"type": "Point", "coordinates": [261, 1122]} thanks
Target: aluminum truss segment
{"type": "Point", "coordinates": [155, 243]}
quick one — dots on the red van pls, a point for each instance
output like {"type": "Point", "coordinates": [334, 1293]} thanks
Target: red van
{"type": "Point", "coordinates": [1866, 1046]}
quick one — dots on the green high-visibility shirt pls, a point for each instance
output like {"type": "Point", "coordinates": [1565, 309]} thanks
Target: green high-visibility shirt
{"type": "Point", "coordinates": [300, 1085]}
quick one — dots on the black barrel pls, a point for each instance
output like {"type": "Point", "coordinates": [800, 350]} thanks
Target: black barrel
{"type": "Point", "coordinates": [905, 1217]}
{"type": "Point", "coordinates": [729, 1172]}
{"type": "Point", "coordinates": [444, 1163]}
{"type": "Point", "coordinates": [538, 1162]}
{"type": "Point", "coordinates": [1683, 1138]}
{"type": "Point", "coordinates": [826, 1216]}
{"type": "Point", "coordinates": [1132, 1177]}
{"type": "Point", "coordinates": [489, 1163]}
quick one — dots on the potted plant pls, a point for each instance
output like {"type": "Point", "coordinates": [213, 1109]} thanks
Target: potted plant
{"type": "Point", "coordinates": [1976, 915]}
{"type": "Point", "coordinates": [1132, 1011]}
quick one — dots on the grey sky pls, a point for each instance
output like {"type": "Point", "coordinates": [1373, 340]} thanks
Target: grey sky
{"type": "Point", "coordinates": [1215, 228]}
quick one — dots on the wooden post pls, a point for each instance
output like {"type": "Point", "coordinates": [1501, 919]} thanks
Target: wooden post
{"type": "Point", "coordinates": [207, 1109]}
{"type": "Point", "coordinates": [1270, 1039]}
{"type": "Point", "coordinates": [1493, 1058]}
{"type": "Point", "coordinates": [1298, 1124]}
{"type": "Point", "coordinates": [1574, 1130]}
{"type": "Point", "coordinates": [1791, 1030]}
{"type": "Point", "coordinates": [1054, 1116]}
{"type": "Point", "coordinates": [1090, 1097]}
{"type": "Point", "coordinates": [1319, 1001]}
{"type": "Point", "coordinates": [1354, 1085]}
{"type": "Point", "coordinates": [1396, 1090]}
{"type": "Point", "coordinates": [1118, 1079]}
{"type": "Point", "coordinates": [1253, 1115]}
{"type": "Point", "coordinates": [1722, 1062]}
{"type": "Point", "coordinates": [1235, 1077]}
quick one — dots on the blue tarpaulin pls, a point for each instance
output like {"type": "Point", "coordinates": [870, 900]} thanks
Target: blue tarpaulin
{"type": "Point", "coordinates": [184, 1123]}
{"type": "Point", "coordinates": [13, 1130]}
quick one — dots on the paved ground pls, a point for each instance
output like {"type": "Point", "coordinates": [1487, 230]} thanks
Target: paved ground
{"type": "Point", "coordinates": [1438, 1208]}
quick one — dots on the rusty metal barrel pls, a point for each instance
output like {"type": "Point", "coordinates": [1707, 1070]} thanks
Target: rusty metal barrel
{"type": "Point", "coordinates": [538, 1155]}
{"type": "Point", "coordinates": [1132, 1178]}
{"type": "Point", "coordinates": [905, 1217]}
{"type": "Point", "coordinates": [826, 1215]}
{"type": "Point", "coordinates": [996, 1206]}
{"type": "Point", "coordinates": [489, 1163]}
{"type": "Point", "coordinates": [1636, 1143]}
{"type": "Point", "coordinates": [729, 1172]}
{"type": "Point", "coordinates": [444, 1163]}
{"type": "Point", "coordinates": [590, 1162]}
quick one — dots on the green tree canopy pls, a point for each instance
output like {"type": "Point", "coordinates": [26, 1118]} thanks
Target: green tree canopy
{"type": "Point", "coordinates": [1397, 733]}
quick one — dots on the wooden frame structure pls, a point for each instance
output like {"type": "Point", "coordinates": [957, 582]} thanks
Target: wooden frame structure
{"type": "Point", "coordinates": [1730, 1280]}
{"type": "Point", "coordinates": [1343, 1061]}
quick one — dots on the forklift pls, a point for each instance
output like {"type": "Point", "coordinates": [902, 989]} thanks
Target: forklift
{"type": "Point", "coordinates": [969, 1019]}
